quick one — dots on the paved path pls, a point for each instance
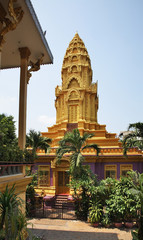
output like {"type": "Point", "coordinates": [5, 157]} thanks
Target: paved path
{"type": "Point", "coordinates": [53, 229]}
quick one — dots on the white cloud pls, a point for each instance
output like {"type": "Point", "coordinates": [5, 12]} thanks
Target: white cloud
{"type": "Point", "coordinates": [7, 99]}
{"type": "Point", "coordinates": [49, 121]}
{"type": "Point", "coordinates": [9, 105]}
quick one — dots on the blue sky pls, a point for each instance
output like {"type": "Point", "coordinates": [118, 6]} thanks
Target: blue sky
{"type": "Point", "coordinates": [112, 31]}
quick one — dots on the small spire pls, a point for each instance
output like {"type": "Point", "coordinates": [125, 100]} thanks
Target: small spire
{"type": "Point", "coordinates": [76, 34]}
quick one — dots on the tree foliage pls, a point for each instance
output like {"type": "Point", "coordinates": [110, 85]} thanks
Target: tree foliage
{"type": "Point", "coordinates": [133, 137]}
{"type": "Point", "coordinates": [137, 190]}
{"type": "Point", "coordinates": [73, 143]}
{"type": "Point", "coordinates": [82, 178]}
{"type": "Point", "coordinates": [83, 188]}
{"type": "Point", "coordinates": [35, 140]}
{"type": "Point", "coordinates": [9, 149]}
{"type": "Point", "coordinates": [7, 129]}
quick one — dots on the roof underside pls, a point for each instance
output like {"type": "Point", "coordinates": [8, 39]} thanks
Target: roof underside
{"type": "Point", "coordinates": [27, 34]}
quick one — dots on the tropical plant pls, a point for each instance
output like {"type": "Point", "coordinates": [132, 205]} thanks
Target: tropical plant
{"type": "Point", "coordinates": [122, 205]}
{"type": "Point", "coordinates": [35, 140]}
{"type": "Point", "coordinates": [13, 223]}
{"type": "Point", "coordinates": [137, 190]}
{"type": "Point", "coordinates": [106, 221]}
{"type": "Point", "coordinates": [103, 190]}
{"type": "Point", "coordinates": [30, 193]}
{"type": "Point", "coordinates": [73, 143]}
{"type": "Point", "coordinates": [133, 137]}
{"type": "Point", "coordinates": [9, 202]}
{"type": "Point", "coordinates": [115, 208]}
{"type": "Point", "coordinates": [19, 226]}
{"type": "Point", "coordinates": [83, 191]}
{"type": "Point", "coordinates": [95, 212]}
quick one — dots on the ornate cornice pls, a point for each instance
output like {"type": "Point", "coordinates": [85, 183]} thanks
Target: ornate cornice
{"type": "Point", "coordinates": [34, 67]}
{"type": "Point", "coordinates": [24, 53]}
{"type": "Point", "coordinates": [15, 13]}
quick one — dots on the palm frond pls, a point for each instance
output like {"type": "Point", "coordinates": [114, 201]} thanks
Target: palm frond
{"type": "Point", "coordinates": [86, 136]}
{"type": "Point", "coordinates": [72, 143]}
{"type": "Point", "coordinates": [133, 138]}
{"type": "Point", "coordinates": [95, 146]}
{"type": "Point", "coordinates": [35, 140]}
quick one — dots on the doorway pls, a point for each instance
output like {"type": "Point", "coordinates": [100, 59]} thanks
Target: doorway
{"type": "Point", "coordinates": [63, 180]}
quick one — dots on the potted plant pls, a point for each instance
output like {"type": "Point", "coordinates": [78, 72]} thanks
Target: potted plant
{"type": "Point", "coordinates": [130, 216]}
{"type": "Point", "coordinates": [115, 207]}
{"type": "Point", "coordinates": [132, 205]}
{"type": "Point", "coordinates": [106, 221]}
{"type": "Point", "coordinates": [95, 214]}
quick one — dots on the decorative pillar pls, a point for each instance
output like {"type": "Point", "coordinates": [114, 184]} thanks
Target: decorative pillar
{"type": "Point", "coordinates": [88, 106]}
{"type": "Point", "coordinates": [66, 110]}
{"type": "Point", "coordinates": [24, 54]}
{"type": "Point", "coordinates": [96, 108]}
{"type": "Point", "coordinates": [80, 109]}
{"type": "Point", "coordinates": [92, 108]}
{"type": "Point", "coordinates": [84, 106]}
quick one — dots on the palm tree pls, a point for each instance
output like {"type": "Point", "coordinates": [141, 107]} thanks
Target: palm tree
{"type": "Point", "coordinates": [35, 140]}
{"type": "Point", "coordinates": [73, 143]}
{"type": "Point", "coordinates": [133, 137]}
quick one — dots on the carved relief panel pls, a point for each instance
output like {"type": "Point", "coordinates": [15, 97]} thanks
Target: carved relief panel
{"type": "Point", "coordinates": [73, 113]}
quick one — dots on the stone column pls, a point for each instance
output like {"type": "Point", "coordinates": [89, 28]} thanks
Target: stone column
{"type": "Point", "coordinates": [24, 54]}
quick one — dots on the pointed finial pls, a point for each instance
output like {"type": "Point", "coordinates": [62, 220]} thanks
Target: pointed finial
{"type": "Point", "coordinates": [76, 34]}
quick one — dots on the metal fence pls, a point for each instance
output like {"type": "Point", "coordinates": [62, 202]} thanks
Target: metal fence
{"type": "Point", "coordinates": [65, 211]}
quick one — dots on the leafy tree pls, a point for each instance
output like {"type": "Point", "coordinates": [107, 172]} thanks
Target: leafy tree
{"type": "Point", "coordinates": [7, 129]}
{"type": "Point", "coordinates": [137, 190]}
{"type": "Point", "coordinates": [30, 192]}
{"type": "Point", "coordinates": [103, 191]}
{"type": "Point", "coordinates": [73, 143]}
{"type": "Point", "coordinates": [35, 140]}
{"type": "Point", "coordinates": [133, 137]}
{"type": "Point", "coordinates": [9, 149]}
{"type": "Point", "coordinates": [83, 187]}
{"type": "Point", "coordinates": [121, 203]}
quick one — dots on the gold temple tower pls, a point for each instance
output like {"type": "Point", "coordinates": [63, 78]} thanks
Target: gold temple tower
{"type": "Point", "coordinates": [77, 99]}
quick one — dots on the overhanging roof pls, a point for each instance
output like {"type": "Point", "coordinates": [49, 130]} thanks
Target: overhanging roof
{"type": "Point", "coordinates": [27, 34]}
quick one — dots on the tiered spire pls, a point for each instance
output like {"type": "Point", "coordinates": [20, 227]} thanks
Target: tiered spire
{"type": "Point", "coordinates": [76, 99]}
{"type": "Point", "coordinates": [76, 65]}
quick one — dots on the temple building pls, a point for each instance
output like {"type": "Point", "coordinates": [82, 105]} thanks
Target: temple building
{"type": "Point", "coordinates": [76, 107]}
